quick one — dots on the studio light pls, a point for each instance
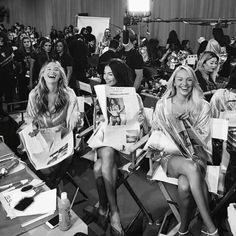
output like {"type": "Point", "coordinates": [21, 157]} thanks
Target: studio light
{"type": "Point", "coordinates": [139, 8]}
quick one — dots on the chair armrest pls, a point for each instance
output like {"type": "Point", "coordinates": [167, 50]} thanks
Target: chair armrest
{"type": "Point", "coordinates": [85, 132]}
{"type": "Point", "coordinates": [139, 144]}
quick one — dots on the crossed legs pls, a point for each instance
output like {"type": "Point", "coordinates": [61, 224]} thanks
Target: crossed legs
{"type": "Point", "coordinates": [191, 188]}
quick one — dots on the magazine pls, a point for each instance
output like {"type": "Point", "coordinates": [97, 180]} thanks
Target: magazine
{"type": "Point", "coordinates": [120, 109]}
{"type": "Point", "coordinates": [46, 147]}
{"type": "Point", "coordinates": [180, 134]}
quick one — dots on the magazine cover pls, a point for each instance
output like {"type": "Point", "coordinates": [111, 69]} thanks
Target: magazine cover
{"type": "Point", "coordinates": [46, 147]}
{"type": "Point", "coordinates": [120, 109]}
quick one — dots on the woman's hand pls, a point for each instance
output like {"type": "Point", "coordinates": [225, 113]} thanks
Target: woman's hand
{"type": "Point", "coordinates": [183, 116]}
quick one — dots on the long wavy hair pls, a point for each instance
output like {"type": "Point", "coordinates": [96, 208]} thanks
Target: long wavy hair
{"type": "Point", "coordinates": [206, 56]}
{"type": "Point", "coordinates": [42, 91]}
{"type": "Point", "coordinates": [22, 48]}
{"type": "Point", "coordinates": [195, 98]}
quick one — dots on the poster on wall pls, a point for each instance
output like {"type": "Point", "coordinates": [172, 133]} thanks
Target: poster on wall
{"type": "Point", "coordinates": [98, 24]}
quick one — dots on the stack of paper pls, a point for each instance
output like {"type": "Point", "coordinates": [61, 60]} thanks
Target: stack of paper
{"type": "Point", "coordinates": [43, 203]}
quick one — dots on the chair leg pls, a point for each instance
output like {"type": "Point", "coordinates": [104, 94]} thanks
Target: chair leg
{"type": "Point", "coordinates": [78, 189]}
{"type": "Point", "coordinates": [138, 202]}
{"type": "Point", "coordinates": [222, 202]}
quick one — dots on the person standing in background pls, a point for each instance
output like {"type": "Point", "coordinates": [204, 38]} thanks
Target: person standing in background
{"type": "Point", "coordinates": [106, 56]}
{"type": "Point", "coordinates": [7, 81]}
{"type": "Point", "coordinates": [90, 40]}
{"type": "Point", "coordinates": [62, 55]}
{"type": "Point", "coordinates": [25, 57]}
{"type": "Point", "coordinates": [133, 59]}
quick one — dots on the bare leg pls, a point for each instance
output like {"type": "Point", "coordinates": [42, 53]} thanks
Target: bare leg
{"type": "Point", "coordinates": [102, 195]}
{"type": "Point", "coordinates": [186, 203]}
{"type": "Point", "coordinates": [180, 166]}
{"type": "Point", "coordinates": [107, 156]}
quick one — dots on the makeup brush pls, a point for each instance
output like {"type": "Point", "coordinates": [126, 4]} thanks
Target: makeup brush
{"type": "Point", "coordinates": [27, 201]}
{"type": "Point", "coordinates": [15, 184]}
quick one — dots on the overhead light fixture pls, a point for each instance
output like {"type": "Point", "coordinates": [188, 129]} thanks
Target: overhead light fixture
{"type": "Point", "coordinates": [139, 8]}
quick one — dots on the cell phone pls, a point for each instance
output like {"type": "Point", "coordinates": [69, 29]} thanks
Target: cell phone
{"type": "Point", "coordinates": [53, 223]}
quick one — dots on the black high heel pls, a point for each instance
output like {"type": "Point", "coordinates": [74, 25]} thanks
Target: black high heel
{"type": "Point", "coordinates": [115, 232]}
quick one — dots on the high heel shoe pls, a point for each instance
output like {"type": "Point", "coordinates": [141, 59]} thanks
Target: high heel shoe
{"type": "Point", "coordinates": [215, 233]}
{"type": "Point", "coordinates": [115, 232]}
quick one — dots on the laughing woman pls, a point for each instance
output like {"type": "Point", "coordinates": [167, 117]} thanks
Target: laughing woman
{"type": "Point", "coordinates": [183, 105]}
{"type": "Point", "coordinates": [53, 104]}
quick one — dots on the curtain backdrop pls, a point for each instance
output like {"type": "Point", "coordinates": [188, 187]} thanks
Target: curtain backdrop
{"type": "Point", "coordinates": [60, 13]}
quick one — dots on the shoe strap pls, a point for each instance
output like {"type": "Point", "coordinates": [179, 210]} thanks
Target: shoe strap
{"type": "Point", "coordinates": [183, 233]}
{"type": "Point", "coordinates": [210, 234]}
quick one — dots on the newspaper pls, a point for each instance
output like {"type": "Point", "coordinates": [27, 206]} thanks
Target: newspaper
{"type": "Point", "coordinates": [183, 135]}
{"type": "Point", "coordinates": [120, 109]}
{"type": "Point", "coordinates": [46, 147]}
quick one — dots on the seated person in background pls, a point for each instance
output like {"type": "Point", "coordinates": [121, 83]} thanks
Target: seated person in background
{"type": "Point", "coordinates": [172, 39]}
{"type": "Point", "coordinates": [224, 100]}
{"type": "Point", "coordinates": [105, 168]}
{"type": "Point", "coordinates": [52, 103]}
{"type": "Point", "coordinates": [185, 45]}
{"type": "Point", "coordinates": [170, 58]}
{"type": "Point", "coordinates": [206, 72]}
{"type": "Point", "coordinates": [183, 103]}
{"type": "Point", "coordinates": [214, 46]}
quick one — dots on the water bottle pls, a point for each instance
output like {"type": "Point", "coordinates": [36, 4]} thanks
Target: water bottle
{"type": "Point", "coordinates": [64, 212]}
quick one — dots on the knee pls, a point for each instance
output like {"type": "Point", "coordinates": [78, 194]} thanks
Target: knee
{"type": "Point", "coordinates": [183, 185]}
{"type": "Point", "coordinates": [193, 170]}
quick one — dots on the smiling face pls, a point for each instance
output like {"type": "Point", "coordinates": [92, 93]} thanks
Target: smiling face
{"type": "Point", "coordinates": [52, 73]}
{"type": "Point", "coordinates": [183, 83]}
{"type": "Point", "coordinates": [109, 77]}
{"type": "Point", "coordinates": [210, 65]}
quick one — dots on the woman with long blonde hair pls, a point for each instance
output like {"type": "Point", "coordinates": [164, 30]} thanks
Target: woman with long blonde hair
{"type": "Point", "coordinates": [52, 104]}
{"type": "Point", "coordinates": [181, 109]}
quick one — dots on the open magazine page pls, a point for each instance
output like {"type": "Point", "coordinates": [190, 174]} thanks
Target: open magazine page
{"type": "Point", "coordinates": [180, 135]}
{"type": "Point", "coordinates": [46, 147]}
{"type": "Point", "coordinates": [120, 108]}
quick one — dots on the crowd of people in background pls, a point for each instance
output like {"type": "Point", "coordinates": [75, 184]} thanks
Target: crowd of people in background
{"type": "Point", "coordinates": [24, 51]}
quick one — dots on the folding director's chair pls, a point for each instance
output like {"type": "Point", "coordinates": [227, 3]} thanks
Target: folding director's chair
{"type": "Point", "coordinates": [214, 177]}
{"type": "Point", "coordinates": [124, 172]}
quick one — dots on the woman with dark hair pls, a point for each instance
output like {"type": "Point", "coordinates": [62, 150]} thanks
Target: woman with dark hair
{"type": "Point", "coordinates": [116, 73]}
{"type": "Point", "coordinates": [183, 106]}
{"type": "Point", "coordinates": [207, 71]}
{"type": "Point", "coordinates": [185, 45]}
{"type": "Point", "coordinates": [52, 104]}
{"type": "Point", "coordinates": [172, 39]}
{"type": "Point", "coordinates": [44, 54]}
{"type": "Point", "coordinates": [7, 82]}
{"type": "Point", "coordinates": [25, 57]}
{"type": "Point", "coordinates": [62, 55]}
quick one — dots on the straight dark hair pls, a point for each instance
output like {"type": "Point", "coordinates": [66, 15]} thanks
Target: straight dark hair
{"type": "Point", "coordinates": [122, 72]}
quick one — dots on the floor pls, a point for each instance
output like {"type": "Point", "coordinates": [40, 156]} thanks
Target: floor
{"type": "Point", "coordinates": [148, 193]}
